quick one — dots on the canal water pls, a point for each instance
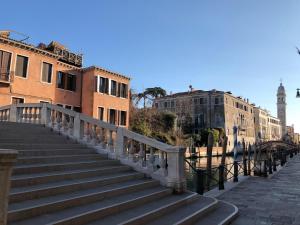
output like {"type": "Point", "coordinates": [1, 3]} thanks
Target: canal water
{"type": "Point", "coordinates": [201, 163]}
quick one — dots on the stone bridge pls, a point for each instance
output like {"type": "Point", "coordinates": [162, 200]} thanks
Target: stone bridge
{"type": "Point", "coordinates": [70, 168]}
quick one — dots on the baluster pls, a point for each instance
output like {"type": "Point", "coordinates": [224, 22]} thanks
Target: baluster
{"type": "Point", "coordinates": [86, 132]}
{"type": "Point", "coordinates": [71, 126]}
{"type": "Point", "coordinates": [52, 118]}
{"type": "Point", "coordinates": [151, 159]}
{"type": "Point", "coordinates": [36, 115]}
{"type": "Point", "coordinates": [111, 141]}
{"type": "Point", "coordinates": [131, 150]}
{"type": "Point", "coordinates": [58, 120]}
{"type": "Point", "coordinates": [141, 154]}
{"type": "Point", "coordinates": [94, 134]}
{"type": "Point", "coordinates": [25, 115]}
{"type": "Point", "coordinates": [1, 115]}
{"type": "Point", "coordinates": [30, 117]}
{"type": "Point", "coordinates": [64, 122]}
{"type": "Point", "coordinates": [102, 137]}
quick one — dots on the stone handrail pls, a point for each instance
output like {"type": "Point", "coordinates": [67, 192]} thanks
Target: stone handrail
{"type": "Point", "coordinates": [156, 159]}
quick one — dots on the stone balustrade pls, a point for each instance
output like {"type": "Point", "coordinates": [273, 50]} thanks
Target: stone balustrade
{"type": "Point", "coordinates": [156, 159]}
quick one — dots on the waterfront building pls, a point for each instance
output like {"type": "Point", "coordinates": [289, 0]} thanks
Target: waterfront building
{"type": "Point", "coordinates": [52, 74]}
{"type": "Point", "coordinates": [212, 109]}
{"type": "Point", "coordinates": [267, 127]}
{"type": "Point", "coordinates": [290, 131]}
{"type": "Point", "coordinates": [281, 108]}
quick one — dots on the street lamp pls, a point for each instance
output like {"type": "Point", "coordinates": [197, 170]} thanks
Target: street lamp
{"type": "Point", "coordinates": [298, 93]}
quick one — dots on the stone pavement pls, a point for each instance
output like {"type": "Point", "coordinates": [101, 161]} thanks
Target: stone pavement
{"type": "Point", "coordinates": [271, 201]}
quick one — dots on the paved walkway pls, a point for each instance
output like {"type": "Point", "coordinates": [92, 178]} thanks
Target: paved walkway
{"type": "Point", "coordinates": [274, 201]}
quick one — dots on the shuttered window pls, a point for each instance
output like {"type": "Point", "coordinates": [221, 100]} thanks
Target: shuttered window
{"type": "Point", "coordinates": [21, 66]}
{"type": "Point", "coordinates": [5, 59]}
{"type": "Point", "coordinates": [123, 118]}
{"type": "Point", "coordinates": [113, 88]}
{"type": "Point", "coordinates": [46, 72]}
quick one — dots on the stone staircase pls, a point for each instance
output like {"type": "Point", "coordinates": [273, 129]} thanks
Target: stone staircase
{"type": "Point", "coordinates": [58, 181]}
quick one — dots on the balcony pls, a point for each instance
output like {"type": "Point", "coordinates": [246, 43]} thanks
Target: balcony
{"type": "Point", "coordinates": [5, 77]}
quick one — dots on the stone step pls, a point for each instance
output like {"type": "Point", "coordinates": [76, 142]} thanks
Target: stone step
{"type": "Point", "coordinates": [20, 146]}
{"type": "Point", "coordinates": [58, 158]}
{"type": "Point", "coordinates": [224, 214]}
{"type": "Point", "coordinates": [37, 140]}
{"type": "Point", "coordinates": [37, 191]}
{"type": "Point", "coordinates": [149, 211]}
{"type": "Point", "coordinates": [97, 208]}
{"type": "Point", "coordinates": [51, 167]}
{"type": "Point", "coordinates": [197, 206]}
{"type": "Point", "coordinates": [27, 153]}
{"type": "Point", "coordinates": [42, 178]}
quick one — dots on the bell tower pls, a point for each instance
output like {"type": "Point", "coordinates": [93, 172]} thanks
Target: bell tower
{"type": "Point", "coordinates": [281, 108]}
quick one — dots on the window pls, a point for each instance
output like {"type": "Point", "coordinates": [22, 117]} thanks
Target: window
{"type": "Point", "coordinates": [5, 59]}
{"type": "Point", "coordinates": [123, 90]}
{"type": "Point", "coordinates": [103, 85]}
{"type": "Point", "coordinates": [216, 101]}
{"type": "Point", "coordinates": [112, 116]}
{"type": "Point", "coordinates": [123, 118]}
{"type": "Point", "coordinates": [71, 82]}
{"type": "Point", "coordinates": [172, 104]}
{"type": "Point", "coordinates": [201, 101]}
{"type": "Point", "coordinates": [113, 88]}
{"type": "Point", "coordinates": [77, 109]}
{"type": "Point", "coordinates": [15, 100]}
{"type": "Point", "coordinates": [156, 105]}
{"type": "Point", "coordinates": [60, 80]}
{"type": "Point", "coordinates": [21, 66]}
{"type": "Point", "coordinates": [166, 104]}
{"type": "Point", "coordinates": [46, 72]}
{"type": "Point", "coordinates": [66, 81]}
{"type": "Point", "coordinates": [100, 113]}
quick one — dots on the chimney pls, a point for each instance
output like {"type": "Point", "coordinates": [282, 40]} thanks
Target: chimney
{"type": "Point", "coordinates": [4, 34]}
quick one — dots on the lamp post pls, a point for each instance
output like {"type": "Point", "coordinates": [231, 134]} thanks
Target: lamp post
{"type": "Point", "coordinates": [298, 93]}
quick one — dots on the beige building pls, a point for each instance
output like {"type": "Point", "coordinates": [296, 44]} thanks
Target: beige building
{"type": "Point", "coordinates": [267, 127]}
{"type": "Point", "coordinates": [53, 74]}
{"type": "Point", "coordinates": [212, 109]}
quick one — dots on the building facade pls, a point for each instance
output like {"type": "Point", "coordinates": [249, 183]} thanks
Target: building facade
{"type": "Point", "coordinates": [281, 108]}
{"type": "Point", "coordinates": [267, 127]}
{"type": "Point", "coordinates": [212, 109]}
{"type": "Point", "coordinates": [53, 74]}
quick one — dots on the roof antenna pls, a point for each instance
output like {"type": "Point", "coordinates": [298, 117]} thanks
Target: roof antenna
{"type": "Point", "coordinates": [24, 36]}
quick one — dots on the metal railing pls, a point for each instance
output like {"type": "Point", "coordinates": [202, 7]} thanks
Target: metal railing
{"type": "Point", "coordinates": [200, 180]}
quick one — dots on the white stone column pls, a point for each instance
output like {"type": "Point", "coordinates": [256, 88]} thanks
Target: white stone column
{"type": "Point", "coordinates": [78, 127]}
{"type": "Point", "coordinates": [7, 159]}
{"type": "Point", "coordinates": [45, 115]}
{"type": "Point", "coordinates": [176, 176]}
{"type": "Point", "coordinates": [120, 143]}
{"type": "Point", "coordinates": [13, 113]}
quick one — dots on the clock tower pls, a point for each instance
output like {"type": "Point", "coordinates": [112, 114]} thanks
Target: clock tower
{"type": "Point", "coordinates": [281, 108]}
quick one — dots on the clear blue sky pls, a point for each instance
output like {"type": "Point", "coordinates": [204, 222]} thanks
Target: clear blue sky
{"type": "Point", "coordinates": [241, 46]}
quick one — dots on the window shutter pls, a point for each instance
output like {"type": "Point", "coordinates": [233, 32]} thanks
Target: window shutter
{"type": "Point", "coordinates": [96, 83]}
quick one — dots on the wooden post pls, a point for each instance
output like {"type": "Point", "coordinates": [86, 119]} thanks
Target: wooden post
{"type": "Point", "coordinates": [200, 181]}
{"type": "Point", "coordinates": [244, 159]}
{"type": "Point", "coordinates": [249, 159]}
{"type": "Point", "coordinates": [265, 173]}
{"type": "Point", "coordinates": [236, 171]}
{"type": "Point", "coordinates": [221, 177]}
{"type": "Point", "coordinates": [210, 144]}
{"type": "Point", "coordinates": [222, 166]}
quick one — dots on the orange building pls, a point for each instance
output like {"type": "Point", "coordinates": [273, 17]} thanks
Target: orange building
{"type": "Point", "coordinates": [51, 73]}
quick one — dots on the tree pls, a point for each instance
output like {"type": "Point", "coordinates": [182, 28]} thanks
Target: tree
{"type": "Point", "coordinates": [148, 94]}
{"type": "Point", "coordinates": [156, 92]}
